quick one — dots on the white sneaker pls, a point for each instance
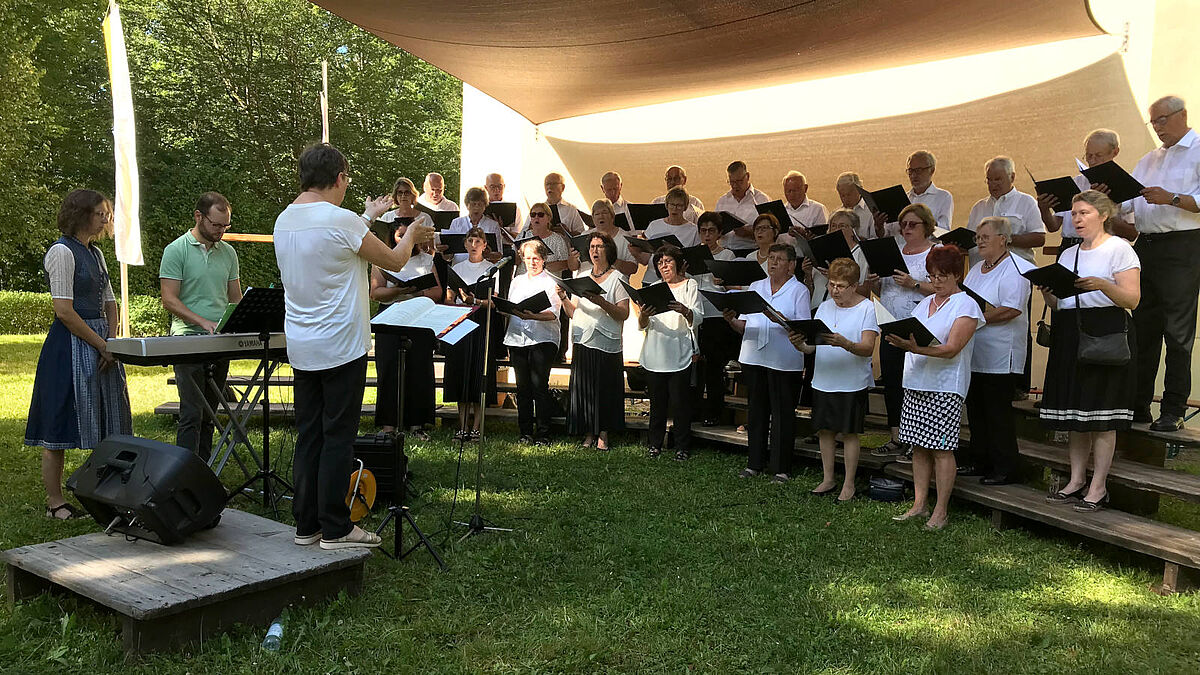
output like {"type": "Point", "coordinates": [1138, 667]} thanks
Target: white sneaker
{"type": "Point", "coordinates": [309, 540]}
{"type": "Point", "coordinates": [357, 538]}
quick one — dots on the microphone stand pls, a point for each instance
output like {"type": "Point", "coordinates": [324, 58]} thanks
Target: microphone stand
{"type": "Point", "coordinates": [477, 523]}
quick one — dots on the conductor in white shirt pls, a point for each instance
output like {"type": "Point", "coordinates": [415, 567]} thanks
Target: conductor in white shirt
{"type": "Point", "coordinates": [434, 196]}
{"type": "Point", "coordinates": [322, 251]}
{"type": "Point", "coordinates": [1167, 218]}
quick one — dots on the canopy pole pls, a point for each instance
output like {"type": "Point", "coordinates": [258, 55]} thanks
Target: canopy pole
{"type": "Point", "coordinates": [124, 328]}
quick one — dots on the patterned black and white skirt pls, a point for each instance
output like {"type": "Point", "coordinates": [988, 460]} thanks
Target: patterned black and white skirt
{"type": "Point", "coordinates": [1087, 397]}
{"type": "Point", "coordinates": [931, 419]}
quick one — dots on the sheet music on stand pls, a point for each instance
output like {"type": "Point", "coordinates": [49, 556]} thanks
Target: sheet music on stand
{"type": "Point", "coordinates": [448, 322]}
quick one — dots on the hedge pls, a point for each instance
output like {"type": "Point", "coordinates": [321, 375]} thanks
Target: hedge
{"type": "Point", "coordinates": [25, 313]}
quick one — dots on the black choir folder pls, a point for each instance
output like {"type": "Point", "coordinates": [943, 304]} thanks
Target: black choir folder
{"type": "Point", "coordinates": [582, 243]}
{"type": "Point", "coordinates": [910, 326]}
{"type": "Point", "coordinates": [657, 296]}
{"type": "Point", "coordinates": [736, 272]}
{"type": "Point", "coordinates": [584, 285]}
{"type": "Point", "coordinates": [1121, 186]}
{"type": "Point", "coordinates": [415, 284]}
{"type": "Point", "coordinates": [477, 288]}
{"type": "Point", "coordinates": [829, 247]}
{"type": "Point", "coordinates": [1062, 188]}
{"type": "Point", "coordinates": [1059, 279]}
{"type": "Point", "coordinates": [730, 222]}
{"type": "Point", "coordinates": [644, 214]}
{"type": "Point", "coordinates": [538, 302]}
{"type": "Point", "coordinates": [622, 222]}
{"type": "Point", "coordinates": [652, 245]}
{"type": "Point", "coordinates": [961, 237]}
{"type": "Point", "coordinates": [697, 258]}
{"type": "Point", "coordinates": [812, 329]}
{"type": "Point", "coordinates": [889, 201]}
{"type": "Point", "coordinates": [979, 299]}
{"type": "Point", "coordinates": [883, 256]}
{"type": "Point", "coordinates": [742, 302]}
{"type": "Point", "coordinates": [777, 209]}
{"type": "Point", "coordinates": [441, 219]}
{"type": "Point", "coordinates": [504, 213]}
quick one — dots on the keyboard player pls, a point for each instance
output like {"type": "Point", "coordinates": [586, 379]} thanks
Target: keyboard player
{"type": "Point", "coordinates": [198, 278]}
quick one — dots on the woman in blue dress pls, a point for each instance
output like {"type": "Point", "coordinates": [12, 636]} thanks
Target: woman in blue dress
{"type": "Point", "coordinates": [79, 394]}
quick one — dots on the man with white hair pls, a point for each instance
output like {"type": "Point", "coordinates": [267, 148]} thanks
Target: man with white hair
{"type": "Point", "coordinates": [1100, 146]}
{"type": "Point", "coordinates": [1167, 218]}
{"type": "Point", "coordinates": [568, 215]}
{"type": "Point", "coordinates": [920, 169]}
{"type": "Point", "coordinates": [676, 177]}
{"type": "Point", "coordinates": [1005, 200]}
{"type": "Point", "coordinates": [434, 196]}
{"type": "Point", "coordinates": [610, 185]}
{"type": "Point", "coordinates": [847, 186]}
{"type": "Point", "coordinates": [740, 201]}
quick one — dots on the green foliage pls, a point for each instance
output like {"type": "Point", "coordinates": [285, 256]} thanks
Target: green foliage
{"type": "Point", "coordinates": [27, 313]}
{"type": "Point", "coordinates": [225, 97]}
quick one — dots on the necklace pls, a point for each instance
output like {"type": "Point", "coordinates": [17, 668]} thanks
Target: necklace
{"type": "Point", "coordinates": [836, 314]}
{"type": "Point", "coordinates": [987, 266]}
{"type": "Point", "coordinates": [934, 304]}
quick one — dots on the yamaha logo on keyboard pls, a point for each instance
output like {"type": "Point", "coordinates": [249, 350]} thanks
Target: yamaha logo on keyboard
{"type": "Point", "coordinates": [247, 343]}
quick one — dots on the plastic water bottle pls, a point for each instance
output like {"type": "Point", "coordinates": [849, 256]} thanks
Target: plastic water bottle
{"type": "Point", "coordinates": [274, 636]}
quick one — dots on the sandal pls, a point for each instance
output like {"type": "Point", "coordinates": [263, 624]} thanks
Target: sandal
{"type": "Point", "coordinates": [1061, 497]}
{"type": "Point", "coordinates": [474, 435]}
{"type": "Point", "coordinates": [418, 434]}
{"type": "Point", "coordinates": [681, 455]}
{"type": "Point", "coordinates": [52, 513]}
{"type": "Point", "coordinates": [654, 452]}
{"type": "Point", "coordinates": [747, 473]}
{"type": "Point", "coordinates": [462, 435]}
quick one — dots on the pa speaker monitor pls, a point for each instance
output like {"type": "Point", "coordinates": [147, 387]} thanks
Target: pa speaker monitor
{"type": "Point", "coordinates": [148, 489]}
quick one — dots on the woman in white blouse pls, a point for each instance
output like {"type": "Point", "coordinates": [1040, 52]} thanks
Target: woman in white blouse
{"type": "Point", "coordinates": [719, 343]}
{"type": "Point", "coordinates": [1091, 401]}
{"type": "Point", "coordinates": [998, 356]}
{"type": "Point", "coordinates": [677, 202]}
{"type": "Point", "coordinates": [936, 379]}
{"type": "Point", "coordinates": [899, 294]}
{"type": "Point", "coordinates": [605, 220]}
{"type": "Point", "coordinates": [771, 368]}
{"type": "Point", "coordinates": [842, 372]}
{"type": "Point", "coordinates": [557, 246]}
{"type": "Point", "coordinates": [532, 340]}
{"type": "Point", "coordinates": [667, 353]}
{"type": "Point", "coordinates": [419, 394]}
{"type": "Point", "coordinates": [597, 392]}
{"type": "Point", "coordinates": [476, 202]}
{"type": "Point", "coordinates": [766, 231]}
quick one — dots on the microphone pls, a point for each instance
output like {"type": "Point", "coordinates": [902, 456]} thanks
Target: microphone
{"type": "Point", "coordinates": [506, 260]}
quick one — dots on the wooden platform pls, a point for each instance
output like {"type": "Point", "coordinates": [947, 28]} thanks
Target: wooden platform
{"type": "Point", "coordinates": [245, 570]}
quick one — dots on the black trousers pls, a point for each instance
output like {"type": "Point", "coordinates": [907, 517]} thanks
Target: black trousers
{"type": "Point", "coordinates": [671, 395]}
{"type": "Point", "coordinates": [719, 344]}
{"type": "Point", "coordinates": [993, 447]}
{"type": "Point", "coordinates": [891, 368]}
{"type": "Point", "coordinates": [532, 365]}
{"type": "Point", "coordinates": [195, 430]}
{"type": "Point", "coordinates": [771, 420]}
{"type": "Point", "coordinates": [328, 409]}
{"type": "Point", "coordinates": [1167, 314]}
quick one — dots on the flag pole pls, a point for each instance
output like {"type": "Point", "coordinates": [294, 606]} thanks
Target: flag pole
{"type": "Point", "coordinates": [324, 101]}
{"type": "Point", "coordinates": [126, 225]}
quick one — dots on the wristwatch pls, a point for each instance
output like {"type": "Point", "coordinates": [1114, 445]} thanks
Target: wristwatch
{"type": "Point", "coordinates": [1175, 199]}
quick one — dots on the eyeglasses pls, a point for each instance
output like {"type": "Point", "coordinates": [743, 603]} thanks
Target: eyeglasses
{"type": "Point", "coordinates": [940, 277]}
{"type": "Point", "coordinates": [223, 226]}
{"type": "Point", "coordinates": [1162, 119]}
{"type": "Point", "coordinates": [838, 287]}
{"type": "Point", "coordinates": [538, 214]}
{"type": "Point", "coordinates": [905, 224]}
{"type": "Point", "coordinates": [917, 169]}
{"type": "Point", "coordinates": [676, 205]}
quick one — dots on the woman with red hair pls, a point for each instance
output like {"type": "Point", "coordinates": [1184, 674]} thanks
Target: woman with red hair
{"type": "Point", "coordinates": [936, 378]}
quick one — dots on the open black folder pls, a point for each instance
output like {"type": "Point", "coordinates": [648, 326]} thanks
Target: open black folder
{"type": "Point", "coordinates": [961, 237]}
{"type": "Point", "coordinates": [1062, 188]}
{"type": "Point", "coordinates": [742, 302]}
{"type": "Point", "coordinates": [584, 285]}
{"type": "Point", "coordinates": [441, 219]}
{"type": "Point", "coordinates": [652, 245]}
{"type": "Point", "coordinates": [538, 302]}
{"type": "Point", "coordinates": [1121, 186]}
{"type": "Point", "coordinates": [890, 201]}
{"type": "Point", "coordinates": [777, 209]}
{"type": "Point", "coordinates": [1059, 279]}
{"type": "Point", "coordinates": [657, 296]}
{"type": "Point", "coordinates": [478, 288]}
{"type": "Point", "coordinates": [910, 326]}
{"type": "Point", "coordinates": [697, 258]}
{"type": "Point", "coordinates": [504, 213]}
{"type": "Point", "coordinates": [415, 284]}
{"type": "Point", "coordinates": [622, 222]}
{"type": "Point", "coordinates": [644, 214]}
{"type": "Point", "coordinates": [736, 272]}
{"type": "Point", "coordinates": [829, 247]}
{"type": "Point", "coordinates": [810, 328]}
{"type": "Point", "coordinates": [883, 256]}
{"type": "Point", "coordinates": [730, 222]}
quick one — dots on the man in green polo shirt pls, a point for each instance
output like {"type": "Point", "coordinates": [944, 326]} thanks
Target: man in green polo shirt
{"type": "Point", "coordinates": [198, 278]}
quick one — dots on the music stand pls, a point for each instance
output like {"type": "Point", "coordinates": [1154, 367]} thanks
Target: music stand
{"type": "Point", "coordinates": [261, 310]}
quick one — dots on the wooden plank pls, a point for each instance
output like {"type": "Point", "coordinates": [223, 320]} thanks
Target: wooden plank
{"type": "Point", "coordinates": [249, 237]}
{"type": "Point", "coordinates": [1133, 474]}
{"type": "Point", "coordinates": [1159, 540]}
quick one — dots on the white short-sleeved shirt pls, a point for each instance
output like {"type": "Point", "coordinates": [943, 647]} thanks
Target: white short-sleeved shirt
{"type": "Point", "coordinates": [462, 225]}
{"type": "Point", "coordinates": [60, 270]}
{"type": "Point", "coordinates": [670, 340]}
{"type": "Point", "coordinates": [526, 332]}
{"type": "Point", "coordinates": [687, 234]}
{"type": "Point", "coordinates": [1113, 255]}
{"type": "Point", "coordinates": [928, 373]}
{"type": "Point", "coordinates": [745, 211]}
{"type": "Point", "coordinates": [444, 205]}
{"type": "Point", "coordinates": [326, 289]}
{"type": "Point", "coordinates": [1022, 211]}
{"type": "Point", "coordinates": [471, 272]}
{"type": "Point", "coordinates": [707, 284]}
{"type": "Point", "coordinates": [1175, 169]}
{"type": "Point", "coordinates": [1001, 347]}
{"type": "Point", "coordinates": [898, 300]}
{"type": "Point", "coordinates": [419, 264]}
{"type": "Point", "coordinates": [834, 368]}
{"type": "Point", "coordinates": [765, 343]}
{"type": "Point", "coordinates": [591, 326]}
{"type": "Point", "coordinates": [820, 291]}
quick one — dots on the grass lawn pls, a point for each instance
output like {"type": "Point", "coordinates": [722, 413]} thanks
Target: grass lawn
{"type": "Point", "coordinates": [622, 563]}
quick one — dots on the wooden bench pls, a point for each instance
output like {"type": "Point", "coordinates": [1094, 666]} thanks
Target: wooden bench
{"type": "Point", "coordinates": [245, 570]}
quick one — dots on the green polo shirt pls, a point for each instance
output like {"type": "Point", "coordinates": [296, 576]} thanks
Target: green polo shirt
{"type": "Point", "coordinates": [203, 274]}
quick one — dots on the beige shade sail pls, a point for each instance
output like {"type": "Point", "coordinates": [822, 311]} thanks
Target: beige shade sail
{"type": "Point", "coordinates": [1042, 127]}
{"type": "Point", "coordinates": [552, 60]}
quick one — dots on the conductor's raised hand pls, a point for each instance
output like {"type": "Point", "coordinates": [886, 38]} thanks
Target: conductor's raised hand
{"type": "Point", "coordinates": [377, 207]}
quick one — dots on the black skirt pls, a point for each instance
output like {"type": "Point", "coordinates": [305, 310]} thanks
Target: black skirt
{"type": "Point", "coordinates": [464, 375]}
{"type": "Point", "coordinates": [1087, 397]}
{"type": "Point", "coordinates": [597, 392]}
{"type": "Point", "coordinates": [839, 411]}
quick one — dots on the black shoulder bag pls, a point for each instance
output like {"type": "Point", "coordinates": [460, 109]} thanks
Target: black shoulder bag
{"type": "Point", "coordinates": [1101, 350]}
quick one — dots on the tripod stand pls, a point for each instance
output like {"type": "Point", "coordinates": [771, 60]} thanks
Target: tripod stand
{"type": "Point", "coordinates": [397, 510]}
{"type": "Point", "coordinates": [265, 473]}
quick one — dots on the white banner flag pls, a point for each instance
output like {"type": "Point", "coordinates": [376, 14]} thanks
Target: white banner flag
{"type": "Point", "coordinates": [126, 224]}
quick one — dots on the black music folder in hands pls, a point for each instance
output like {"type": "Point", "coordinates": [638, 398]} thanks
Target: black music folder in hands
{"type": "Point", "coordinates": [622, 222]}
{"type": "Point", "coordinates": [979, 299]}
{"type": "Point", "coordinates": [504, 213]}
{"type": "Point", "coordinates": [961, 237]}
{"type": "Point", "coordinates": [1121, 186]}
{"type": "Point", "coordinates": [454, 243]}
{"type": "Point", "coordinates": [829, 247]}
{"type": "Point", "coordinates": [812, 329]}
{"type": "Point", "coordinates": [478, 288]}
{"type": "Point", "coordinates": [538, 302]}
{"type": "Point", "coordinates": [736, 272]}
{"type": "Point", "coordinates": [883, 256]}
{"type": "Point", "coordinates": [1062, 189]}
{"type": "Point", "coordinates": [441, 219]}
{"type": "Point", "coordinates": [1059, 279]}
{"type": "Point", "coordinates": [742, 302]}
{"type": "Point", "coordinates": [777, 209]}
{"type": "Point", "coordinates": [657, 296]}
{"type": "Point", "coordinates": [697, 258]}
{"type": "Point", "coordinates": [415, 284]}
{"type": "Point", "coordinates": [652, 245]}
{"type": "Point", "coordinates": [581, 243]}
{"type": "Point", "coordinates": [730, 222]}
{"type": "Point", "coordinates": [911, 326]}
{"type": "Point", "coordinates": [644, 214]}
{"type": "Point", "coordinates": [584, 285]}
{"type": "Point", "coordinates": [890, 201]}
